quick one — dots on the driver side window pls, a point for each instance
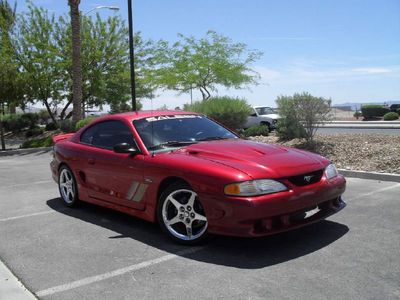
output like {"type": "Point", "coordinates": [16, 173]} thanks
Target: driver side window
{"type": "Point", "coordinates": [107, 134]}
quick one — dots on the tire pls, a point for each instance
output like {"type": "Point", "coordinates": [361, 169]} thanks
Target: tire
{"type": "Point", "coordinates": [268, 125]}
{"type": "Point", "coordinates": [181, 214]}
{"type": "Point", "coordinates": [67, 187]}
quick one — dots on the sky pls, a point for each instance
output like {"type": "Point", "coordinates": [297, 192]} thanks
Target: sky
{"type": "Point", "coordinates": [345, 50]}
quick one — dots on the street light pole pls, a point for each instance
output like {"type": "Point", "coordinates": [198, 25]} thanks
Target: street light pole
{"type": "Point", "coordinates": [131, 55]}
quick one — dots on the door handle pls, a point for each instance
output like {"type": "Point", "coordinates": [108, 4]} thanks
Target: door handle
{"type": "Point", "coordinates": [91, 161]}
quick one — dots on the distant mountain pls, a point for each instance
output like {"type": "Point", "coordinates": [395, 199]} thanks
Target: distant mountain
{"type": "Point", "coordinates": [357, 106]}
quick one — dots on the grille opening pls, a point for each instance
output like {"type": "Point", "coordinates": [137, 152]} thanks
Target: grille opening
{"type": "Point", "coordinates": [296, 218]}
{"type": "Point", "coordinates": [306, 179]}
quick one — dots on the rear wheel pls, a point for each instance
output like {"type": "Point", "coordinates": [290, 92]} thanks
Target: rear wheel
{"type": "Point", "coordinates": [67, 187]}
{"type": "Point", "coordinates": [181, 214]}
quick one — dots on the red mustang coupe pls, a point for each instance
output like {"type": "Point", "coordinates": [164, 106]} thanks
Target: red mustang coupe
{"type": "Point", "coordinates": [194, 176]}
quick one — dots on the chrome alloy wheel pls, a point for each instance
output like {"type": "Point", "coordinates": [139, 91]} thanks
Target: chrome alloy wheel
{"type": "Point", "coordinates": [67, 186]}
{"type": "Point", "coordinates": [183, 215]}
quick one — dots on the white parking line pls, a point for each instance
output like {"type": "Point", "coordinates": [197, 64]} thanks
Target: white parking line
{"type": "Point", "coordinates": [25, 184]}
{"type": "Point", "coordinates": [29, 215]}
{"type": "Point", "coordinates": [374, 192]}
{"type": "Point", "coordinates": [97, 278]}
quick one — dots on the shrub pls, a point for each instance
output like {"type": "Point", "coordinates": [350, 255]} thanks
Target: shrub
{"type": "Point", "coordinates": [31, 119]}
{"type": "Point", "coordinates": [256, 130]}
{"type": "Point", "coordinates": [36, 143]}
{"type": "Point", "coordinates": [83, 122]}
{"type": "Point", "coordinates": [18, 122]}
{"type": "Point", "coordinates": [67, 126]}
{"type": "Point", "coordinates": [398, 111]}
{"type": "Point", "coordinates": [34, 131]}
{"type": "Point", "coordinates": [44, 116]}
{"type": "Point", "coordinates": [301, 116]}
{"type": "Point", "coordinates": [390, 116]}
{"type": "Point", "coordinates": [51, 126]}
{"type": "Point", "coordinates": [14, 122]}
{"type": "Point", "coordinates": [231, 112]}
{"type": "Point", "coordinates": [372, 110]}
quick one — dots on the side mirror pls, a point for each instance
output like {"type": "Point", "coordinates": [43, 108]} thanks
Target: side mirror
{"type": "Point", "coordinates": [125, 148]}
{"type": "Point", "coordinates": [253, 115]}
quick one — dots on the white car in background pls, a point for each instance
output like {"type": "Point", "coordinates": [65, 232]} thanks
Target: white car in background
{"type": "Point", "coordinates": [262, 115]}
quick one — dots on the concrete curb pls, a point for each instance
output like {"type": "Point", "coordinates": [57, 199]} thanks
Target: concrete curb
{"type": "Point", "coordinates": [370, 175]}
{"type": "Point", "coordinates": [365, 122]}
{"type": "Point", "coordinates": [24, 151]}
{"type": "Point", "coordinates": [361, 126]}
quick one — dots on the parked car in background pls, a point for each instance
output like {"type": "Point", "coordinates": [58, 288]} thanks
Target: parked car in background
{"type": "Point", "coordinates": [262, 115]}
{"type": "Point", "coordinates": [394, 107]}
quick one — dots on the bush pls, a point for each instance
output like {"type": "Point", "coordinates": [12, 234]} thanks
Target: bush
{"type": "Point", "coordinates": [390, 116]}
{"type": "Point", "coordinates": [67, 126]}
{"type": "Point", "coordinates": [256, 130]}
{"type": "Point", "coordinates": [34, 131]}
{"type": "Point", "coordinates": [372, 110]}
{"type": "Point", "coordinates": [36, 143]}
{"type": "Point", "coordinates": [18, 122]}
{"type": "Point", "coordinates": [231, 112]}
{"type": "Point", "coordinates": [14, 122]}
{"type": "Point", "coordinates": [44, 116]}
{"type": "Point", "coordinates": [398, 111]}
{"type": "Point", "coordinates": [301, 116]}
{"type": "Point", "coordinates": [51, 126]}
{"type": "Point", "coordinates": [83, 122]}
{"type": "Point", "coordinates": [31, 119]}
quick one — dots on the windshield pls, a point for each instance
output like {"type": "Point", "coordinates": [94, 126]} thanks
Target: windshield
{"type": "Point", "coordinates": [178, 130]}
{"type": "Point", "coordinates": [265, 110]}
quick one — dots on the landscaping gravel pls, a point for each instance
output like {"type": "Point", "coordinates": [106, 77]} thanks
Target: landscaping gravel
{"type": "Point", "coordinates": [364, 152]}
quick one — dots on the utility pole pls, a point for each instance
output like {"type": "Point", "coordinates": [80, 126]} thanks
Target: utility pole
{"type": "Point", "coordinates": [131, 54]}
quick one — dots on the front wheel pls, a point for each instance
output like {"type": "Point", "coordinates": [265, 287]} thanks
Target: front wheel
{"type": "Point", "coordinates": [181, 214]}
{"type": "Point", "coordinates": [67, 187]}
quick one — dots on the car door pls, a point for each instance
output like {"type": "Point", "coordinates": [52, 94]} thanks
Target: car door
{"type": "Point", "coordinates": [252, 119]}
{"type": "Point", "coordinates": [109, 176]}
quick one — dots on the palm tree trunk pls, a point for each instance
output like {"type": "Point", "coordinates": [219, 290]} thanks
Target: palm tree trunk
{"type": "Point", "coordinates": [76, 61]}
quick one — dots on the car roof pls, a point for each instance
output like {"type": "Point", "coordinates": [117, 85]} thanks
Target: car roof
{"type": "Point", "coordinates": [136, 115]}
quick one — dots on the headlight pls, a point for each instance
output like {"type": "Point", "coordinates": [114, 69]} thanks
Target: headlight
{"type": "Point", "coordinates": [331, 171]}
{"type": "Point", "coordinates": [254, 187]}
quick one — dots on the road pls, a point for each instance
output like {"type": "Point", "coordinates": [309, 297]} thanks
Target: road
{"type": "Point", "coordinates": [358, 130]}
{"type": "Point", "coordinates": [94, 253]}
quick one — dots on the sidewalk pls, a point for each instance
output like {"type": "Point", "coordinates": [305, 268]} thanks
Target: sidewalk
{"type": "Point", "coordinates": [11, 288]}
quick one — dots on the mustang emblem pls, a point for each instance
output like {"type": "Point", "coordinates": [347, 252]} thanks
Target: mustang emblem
{"type": "Point", "coordinates": [308, 178]}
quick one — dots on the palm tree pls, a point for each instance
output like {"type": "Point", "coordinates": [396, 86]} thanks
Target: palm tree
{"type": "Point", "coordinates": [76, 61]}
{"type": "Point", "coordinates": [7, 21]}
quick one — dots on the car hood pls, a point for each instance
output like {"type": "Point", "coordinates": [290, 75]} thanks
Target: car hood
{"type": "Point", "coordinates": [258, 160]}
{"type": "Point", "coordinates": [272, 116]}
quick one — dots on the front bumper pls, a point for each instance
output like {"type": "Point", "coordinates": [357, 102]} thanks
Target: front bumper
{"type": "Point", "coordinates": [274, 213]}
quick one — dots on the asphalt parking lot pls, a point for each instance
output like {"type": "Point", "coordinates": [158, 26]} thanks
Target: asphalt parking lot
{"type": "Point", "coordinates": [94, 253]}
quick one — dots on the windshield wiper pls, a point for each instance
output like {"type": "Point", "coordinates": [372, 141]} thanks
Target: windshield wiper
{"type": "Point", "coordinates": [172, 144]}
{"type": "Point", "coordinates": [212, 138]}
